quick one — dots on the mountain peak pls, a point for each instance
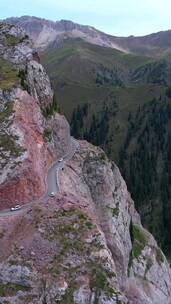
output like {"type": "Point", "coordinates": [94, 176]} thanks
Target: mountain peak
{"type": "Point", "coordinates": [44, 32]}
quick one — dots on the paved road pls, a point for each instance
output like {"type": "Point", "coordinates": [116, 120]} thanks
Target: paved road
{"type": "Point", "coordinates": [52, 180]}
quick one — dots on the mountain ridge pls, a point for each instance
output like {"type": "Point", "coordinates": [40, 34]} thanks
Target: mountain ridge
{"type": "Point", "coordinates": [67, 21]}
{"type": "Point", "coordinates": [58, 28]}
{"type": "Point", "coordinates": [151, 44]}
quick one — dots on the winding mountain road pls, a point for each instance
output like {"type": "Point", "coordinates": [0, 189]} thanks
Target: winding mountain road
{"type": "Point", "coordinates": [52, 180]}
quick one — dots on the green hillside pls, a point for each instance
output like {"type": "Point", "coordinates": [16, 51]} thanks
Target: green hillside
{"type": "Point", "coordinates": [101, 90]}
{"type": "Point", "coordinates": [145, 160]}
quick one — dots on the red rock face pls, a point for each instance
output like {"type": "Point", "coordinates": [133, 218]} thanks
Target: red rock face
{"type": "Point", "coordinates": [27, 182]}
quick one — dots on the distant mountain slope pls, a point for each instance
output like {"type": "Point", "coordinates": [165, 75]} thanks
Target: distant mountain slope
{"type": "Point", "coordinates": [90, 63]}
{"type": "Point", "coordinates": [153, 44]}
{"type": "Point", "coordinates": [82, 73]}
{"type": "Point", "coordinates": [45, 31]}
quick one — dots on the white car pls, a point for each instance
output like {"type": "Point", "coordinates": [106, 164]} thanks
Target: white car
{"type": "Point", "coordinates": [60, 160]}
{"type": "Point", "coordinates": [52, 194]}
{"type": "Point", "coordinates": [15, 208]}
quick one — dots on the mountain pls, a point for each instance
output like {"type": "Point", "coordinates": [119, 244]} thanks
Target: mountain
{"type": "Point", "coordinates": [44, 32]}
{"type": "Point", "coordinates": [83, 243]}
{"type": "Point", "coordinates": [155, 44]}
{"type": "Point", "coordinates": [115, 92]}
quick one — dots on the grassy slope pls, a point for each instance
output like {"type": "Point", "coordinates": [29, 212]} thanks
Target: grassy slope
{"type": "Point", "coordinates": [77, 51]}
{"type": "Point", "coordinates": [72, 69]}
{"type": "Point", "coordinates": [8, 75]}
{"type": "Point", "coordinates": [8, 79]}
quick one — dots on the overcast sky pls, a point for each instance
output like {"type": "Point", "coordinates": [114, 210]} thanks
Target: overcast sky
{"type": "Point", "coordinates": [117, 17]}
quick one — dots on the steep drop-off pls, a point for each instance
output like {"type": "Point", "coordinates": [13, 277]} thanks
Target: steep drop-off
{"type": "Point", "coordinates": [25, 91]}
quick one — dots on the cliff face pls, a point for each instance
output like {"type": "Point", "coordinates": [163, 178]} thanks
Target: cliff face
{"type": "Point", "coordinates": [25, 91]}
{"type": "Point", "coordinates": [22, 177]}
{"type": "Point", "coordinates": [85, 245]}
{"type": "Point", "coordinates": [140, 265]}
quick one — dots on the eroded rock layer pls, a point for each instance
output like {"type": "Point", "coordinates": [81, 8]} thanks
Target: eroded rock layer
{"type": "Point", "coordinates": [27, 147]}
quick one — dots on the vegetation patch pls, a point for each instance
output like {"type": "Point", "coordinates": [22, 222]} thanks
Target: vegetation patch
{"type": "Point", "coordinates": [22, 74]}
{"type": "Point", "coordinates": [99, 281]}
{"type": "Point", "coordinates": [103, 156]}
{"type": "Point", "coordinates": [12, 40]}
{"type": "Point", "coordinates": [159, 256]}
{"type": "Point", "coordinates": [148, 265]}
{"type": "Point", "coordinates": [139, 241]}
{"type": "Point", "coordinates": [51, 109]}
{"type": "Point", "coordinates": [145, 163]}
{"type": "Point", "coordinates": [10, 289]}
{"type": "Point", "coordinates": [115, 211]}
{"type": "Point", "coordinates": [27, 299]}
{"type": "Point", "coordinates": [68, 296]}
{"type": "Point", "coordinates": [8, 110]}
{"type": "Point", "coordinates": [98, 127]}
{"type": "Point", "coordinates": [8, 143]}
{"type": "Point", "coordinates": [8, 75]}
{"type": "Point", "coordinates": [47, 135]}
{"type": "Point", "coordinates": [69, 231]}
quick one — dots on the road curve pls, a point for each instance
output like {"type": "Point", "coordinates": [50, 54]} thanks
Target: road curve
{"type": "Point", "coordinates": [52, 180]}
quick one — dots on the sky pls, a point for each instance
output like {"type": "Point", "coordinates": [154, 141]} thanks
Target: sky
{"type": "Point", "coordinates": [116, 17]}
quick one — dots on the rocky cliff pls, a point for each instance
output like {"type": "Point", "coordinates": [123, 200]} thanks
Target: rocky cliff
{"type": "Point", "coordinates": [140, 265]}
{"type": "Point", "coordinates": [85, 245]}
{"type": "Point", "coordinates": [25, 140]}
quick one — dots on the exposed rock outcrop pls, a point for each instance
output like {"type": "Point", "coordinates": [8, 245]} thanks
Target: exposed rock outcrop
{"type": "Point", "coordinates": [60, 131]}
{"type": "Point", "coordinates": [15, 46]}
{"type": "Point", "coordinates": [85, 246]}
{"type": "Point", "coordinates": [65, 255]}
{"type": "Point", "coordinates": [39, 84]}
{"type": "Point", "coordinates": [142, 269]}
{"type": "Point", "coordinates": [23, 177]}
{"type": "Point", "coordinates": [25, 151]}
